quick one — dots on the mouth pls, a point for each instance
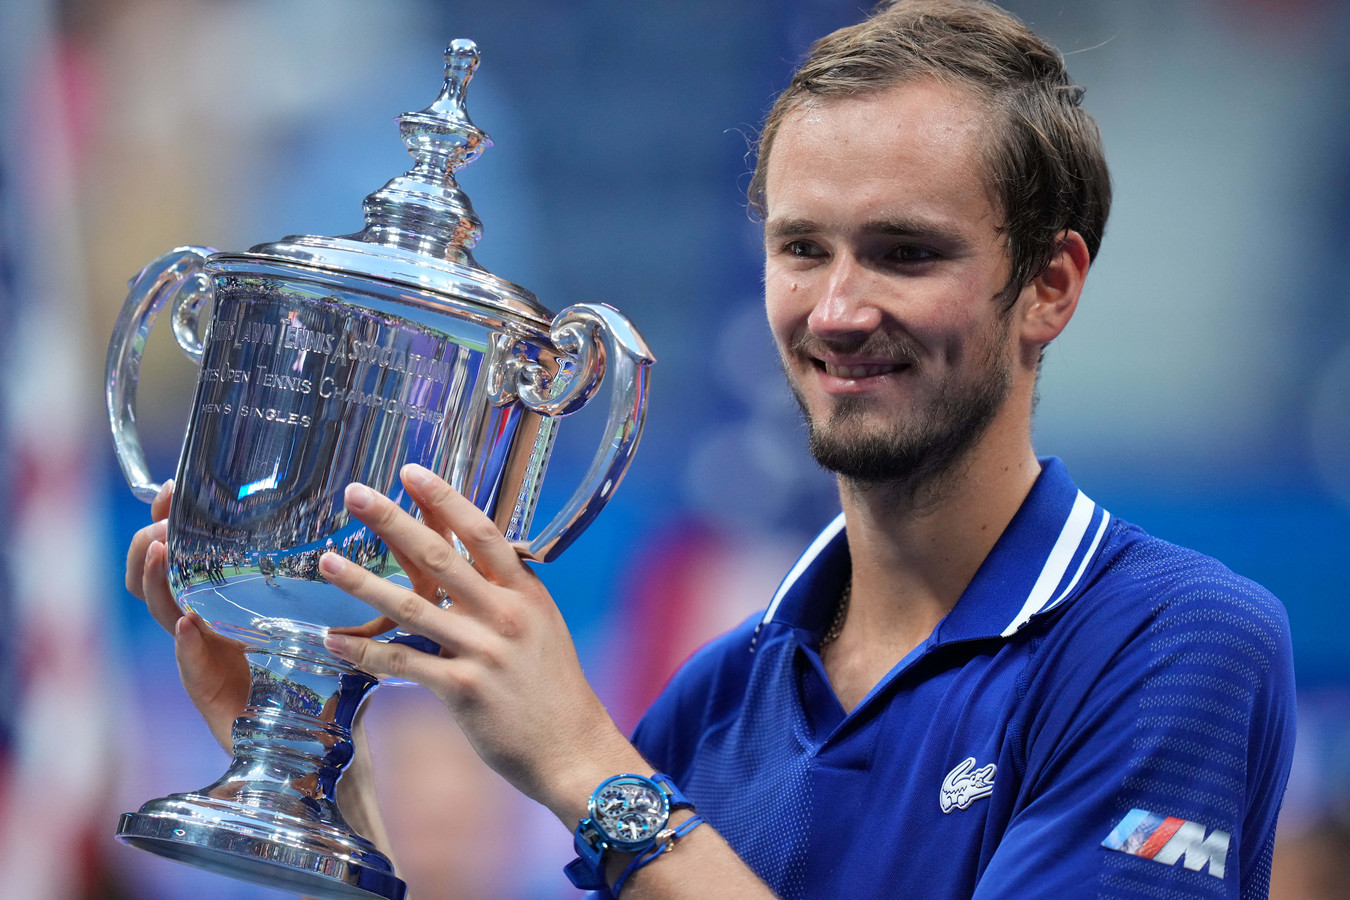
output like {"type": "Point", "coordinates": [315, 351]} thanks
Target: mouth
{"type": "Point", "coordinates": [859, 370]}
{"type": "Point", "coordinates": [856, 366]}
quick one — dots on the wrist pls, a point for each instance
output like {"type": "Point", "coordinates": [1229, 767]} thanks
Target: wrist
{"type": "Point", "coordinates": [625, 867]}
{"type": "Point", "coordinates": [630, 820]}
{"type": "Point", "coordinates": [569, 792]}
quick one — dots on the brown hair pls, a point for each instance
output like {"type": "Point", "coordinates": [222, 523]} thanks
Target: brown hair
{"type": "Point", "coordinates": [1044, 163]}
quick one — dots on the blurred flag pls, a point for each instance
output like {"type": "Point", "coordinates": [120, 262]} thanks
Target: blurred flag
{"type": "Point", "coordinates": [55, 703]}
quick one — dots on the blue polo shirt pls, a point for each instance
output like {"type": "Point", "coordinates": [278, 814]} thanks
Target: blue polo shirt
{"type": "Point", "coordinates": [1102, 714]}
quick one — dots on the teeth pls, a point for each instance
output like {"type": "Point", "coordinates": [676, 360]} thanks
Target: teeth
{"type": "Point", "coordinates": [861, 371]}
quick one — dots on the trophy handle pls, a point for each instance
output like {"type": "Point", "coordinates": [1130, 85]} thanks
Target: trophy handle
{"type": "Point", "coordinates": [600, 339]}
{"type": "Point", "coordinates": [179, 274]}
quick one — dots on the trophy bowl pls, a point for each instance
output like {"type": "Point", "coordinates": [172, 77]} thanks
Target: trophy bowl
{"type": "Point", "coordinates": [324, 361]}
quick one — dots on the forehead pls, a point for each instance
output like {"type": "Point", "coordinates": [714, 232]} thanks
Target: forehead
{"type": "Point", "coordinates": [916, 147]}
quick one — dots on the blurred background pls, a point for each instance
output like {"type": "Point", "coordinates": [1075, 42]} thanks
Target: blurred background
{"type": "Point", "coordinates": [1202, 391]}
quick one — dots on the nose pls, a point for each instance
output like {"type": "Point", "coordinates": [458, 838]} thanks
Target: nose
{"type": "Point", "coordinates": [844, 307]}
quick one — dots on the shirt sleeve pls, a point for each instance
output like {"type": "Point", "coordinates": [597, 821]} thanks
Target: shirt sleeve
{"type": "Point", "coordinates": [1153, 766]}
{"type": "Point", "coordinates": [696, 696]}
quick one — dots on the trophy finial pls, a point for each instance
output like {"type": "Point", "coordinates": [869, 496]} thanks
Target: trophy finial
{"type": "Point", "coordinates": [424, 210]}
{"type": "Point", "coordinates": [444, 127]}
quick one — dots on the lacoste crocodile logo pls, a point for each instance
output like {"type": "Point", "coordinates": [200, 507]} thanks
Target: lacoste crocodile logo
{"type": "Point", "coordinates": [965, 784]}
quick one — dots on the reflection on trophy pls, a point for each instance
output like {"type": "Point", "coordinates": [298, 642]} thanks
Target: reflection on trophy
{"type": "Point", "coordinates": [326, 361]}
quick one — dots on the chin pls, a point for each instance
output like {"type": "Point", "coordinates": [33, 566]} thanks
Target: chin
{"type": "Point", "coordinates": [912, 450]}
{"type": "Point", "coordinates": [872, 460]}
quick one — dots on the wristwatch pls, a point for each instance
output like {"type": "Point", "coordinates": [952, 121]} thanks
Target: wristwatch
{"type": "Point", "coordinates": [625, 813]}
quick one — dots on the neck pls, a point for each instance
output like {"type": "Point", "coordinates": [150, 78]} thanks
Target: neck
{"type": "Point", "coordinates": [915, 547]}
{"type": "Point", "coordinates": [913, 553]}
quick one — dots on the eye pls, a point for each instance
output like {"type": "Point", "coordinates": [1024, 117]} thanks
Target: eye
{"type": "Point", "coordinates": [802, 249]}
{"type": "Point", "coordinates": [913, 253]}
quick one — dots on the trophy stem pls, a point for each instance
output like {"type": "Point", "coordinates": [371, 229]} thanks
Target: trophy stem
{"type": "Point", "coordinates": [273, 817]}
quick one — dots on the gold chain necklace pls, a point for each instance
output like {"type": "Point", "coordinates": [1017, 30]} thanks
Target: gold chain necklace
{"type": "Point", "coordinates": [840, 614]}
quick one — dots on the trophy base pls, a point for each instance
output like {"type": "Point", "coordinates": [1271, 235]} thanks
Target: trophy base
{"type": "Point", "coordinates": [261, 846]}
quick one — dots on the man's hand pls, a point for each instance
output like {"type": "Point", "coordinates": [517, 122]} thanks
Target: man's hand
{"type": "Point", "coordinates": [213, 668]}
{"type": "Point", "coordinates": [507, 669]}
{"type": "Point", "coordinates": [509, 673]}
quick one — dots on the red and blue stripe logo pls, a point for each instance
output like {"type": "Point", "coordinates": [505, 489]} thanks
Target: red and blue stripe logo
{"type": "Point", "coordinates": [1168, 840]}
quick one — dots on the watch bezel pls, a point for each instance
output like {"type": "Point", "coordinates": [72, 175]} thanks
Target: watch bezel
{"type": "Point", "coordinates": [614, 842]}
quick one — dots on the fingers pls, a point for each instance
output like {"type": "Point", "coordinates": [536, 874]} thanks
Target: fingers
{"type": "Point", "coordinates": [447, 511]}
{"type": "Point", "coordinates": [214, 672]}
{"type": "Point", "coordinates": [154, 588]}
{"type": "Point", "coordinates": [195, 666]}
{"type": "Point", "coordinates": [422, 582]}
{"type": "Point", "coordinates": [140, 542]}
{"type": "Point", "coordinates": [159, 507]}
{"type": "Point", "coordinates": [427, 557]}
{"type": "Point", "coordinates": [388, 660]}
{"type": "Point", "coordinates": [409, 610]}
{"type": "Point", "coordinates": [377, 625]}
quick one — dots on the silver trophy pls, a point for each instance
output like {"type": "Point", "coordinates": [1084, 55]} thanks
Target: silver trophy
{"type": "Point", "coordinates": [326, 361]}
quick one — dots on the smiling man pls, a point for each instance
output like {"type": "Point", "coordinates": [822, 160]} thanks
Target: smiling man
{"type": "Point", "coordinates": [976, 682]}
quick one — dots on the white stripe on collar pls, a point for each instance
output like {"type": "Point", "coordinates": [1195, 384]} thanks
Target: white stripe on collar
{"type": "Point", "coordinates": [1082, 567]}
{"type": "Point", "coordinates": [1057, 563]}
{"type": "Point", "coordinates": [1038, 600]}
{"type": "Point", "coordinates": [819, 544]}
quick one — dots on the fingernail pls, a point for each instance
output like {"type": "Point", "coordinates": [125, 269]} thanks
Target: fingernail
{"type": "Point", "coordinates": [358, 497]}
{"type": "Point", "coordinates": [335, 643]}
{"type": "Point", "coordinates": [416, 476]}
{"type": "Point", "coordinates": [165, 489]}
{"type": "Point", "coordinates": [331, 564]}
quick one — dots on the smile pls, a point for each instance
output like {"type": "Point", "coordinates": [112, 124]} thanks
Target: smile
{"type": "Point", "coordinates": [861, 370]}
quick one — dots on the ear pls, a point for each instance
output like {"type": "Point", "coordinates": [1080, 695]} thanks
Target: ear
{"type": "Point", "coordinates": [1054, 293]}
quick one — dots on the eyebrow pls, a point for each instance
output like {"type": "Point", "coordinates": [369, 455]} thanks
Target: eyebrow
{"type": "Point", "coordinates": [782, 228]}
{"type": "Point", "coordinates": [899, 226]}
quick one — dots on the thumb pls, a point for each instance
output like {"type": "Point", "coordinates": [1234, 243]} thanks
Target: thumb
{"type": "Point", "coordinates": [189, 649]}
{"type": "Point", "coordinates": [201, 673]}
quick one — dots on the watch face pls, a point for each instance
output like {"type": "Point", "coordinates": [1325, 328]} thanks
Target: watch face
{"type": "Point", "coordinates": [630, 809]}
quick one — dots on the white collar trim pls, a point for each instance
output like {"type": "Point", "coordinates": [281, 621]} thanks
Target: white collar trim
{"type": "Point", "coordinates": [1039, 600]}
{"type": "Point", "coordinates": [1057, 563]}
{"type": "Point", "coordinates": [817, 546]}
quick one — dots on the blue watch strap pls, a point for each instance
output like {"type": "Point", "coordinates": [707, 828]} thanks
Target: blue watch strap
{"type": "Point", "coordinates": [587, 871]}
{"type": "Point", "coordinates": [585, 874]}
{"type": "Point", "coordinates": [677, 798]}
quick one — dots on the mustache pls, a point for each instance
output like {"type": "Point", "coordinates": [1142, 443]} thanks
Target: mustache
{"type": "Point", "coordinates": [877, 344]}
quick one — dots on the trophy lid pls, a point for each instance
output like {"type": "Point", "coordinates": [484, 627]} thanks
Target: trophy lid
{"type": "Point", "coordinates": [420, 227]}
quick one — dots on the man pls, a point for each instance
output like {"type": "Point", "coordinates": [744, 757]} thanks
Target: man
{"type": "Point", "coordinates": [976, 682]}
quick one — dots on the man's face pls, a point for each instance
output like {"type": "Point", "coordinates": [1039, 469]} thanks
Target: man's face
{"type": "Point", "coordinates": [883, 278]}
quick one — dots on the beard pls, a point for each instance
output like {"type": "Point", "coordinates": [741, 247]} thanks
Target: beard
{"type": "Point", "coordinates": [916, 450]}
